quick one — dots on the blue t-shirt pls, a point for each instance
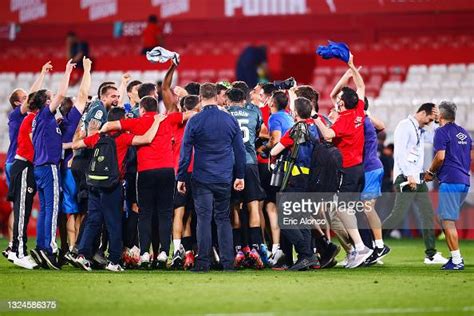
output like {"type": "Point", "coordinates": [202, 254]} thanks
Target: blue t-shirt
{"type": "Point", "coordinates": [68, 129]}
{"type": "Point", "coordinates": [457, 162]}
{"type": "Point", "coordinates": [15, 118]}
{"type": "Point", "coordinates": [371, 158]}
{"type": "Point", "coordinates": [280, 121]}
{"type": "Point", "coordinates": [47, 138]}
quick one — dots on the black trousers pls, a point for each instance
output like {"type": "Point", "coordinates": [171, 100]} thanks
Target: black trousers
{"type": "Point", "coordinates": [155, 199]}
{"type": "Point", "coordinates": [300, 238]}
{"type": "Point", "coordinates": [21, 191]}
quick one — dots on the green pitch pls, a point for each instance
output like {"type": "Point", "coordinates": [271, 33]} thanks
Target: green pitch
{"type": "Point", "coordinates": [402, 286]}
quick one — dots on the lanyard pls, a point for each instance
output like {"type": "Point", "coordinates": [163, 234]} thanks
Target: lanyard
{"type": "Point", "coordinates": [418, 136]}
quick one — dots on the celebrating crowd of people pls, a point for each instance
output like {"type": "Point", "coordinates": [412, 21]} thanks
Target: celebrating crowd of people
{"type": "Point", "coordinates": [186, 177]}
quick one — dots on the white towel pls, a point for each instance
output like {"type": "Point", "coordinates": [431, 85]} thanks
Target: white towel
{"type": "Point", "coordinates": [162, 55]}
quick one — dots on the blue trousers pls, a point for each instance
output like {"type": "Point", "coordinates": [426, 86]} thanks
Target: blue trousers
{"type": "Point", "coordinates": [104, 206]}
{"type": "Point", "coordinates": [213, 200]}
{"type": "Point", "coordinates": [48, 182]}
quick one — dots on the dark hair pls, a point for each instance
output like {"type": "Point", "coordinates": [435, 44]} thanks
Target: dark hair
{"type": "Point", "coordinates": [242, 86]}
{"type": "Point", "coordinates": [133, 84]}
{"type": "Point", "coordinates": [192, 88]}
{"type": "Point", "coordinates": [208, 91]}
{"type": "Point", "coordinates": [152, 18]}
{"type": "Point", "coordinates": [103, 84]}
{"type": "Point", "coordinates": [149, 104]}
{"type": "Point", "coordinates": [303, 107]}
{"type": "Point", "coordinates": [37, 100]}
{"type": "Point", "coordinates": [220, 87]}
{"type": "Point", "coordinates": [116, 114]}
{"type": "Point", "coordinates": [427, 107]}
{"type": "Point", "coordinates": [235, 95]}
{"type": "Point", "coordinates": [350, 98]}
{"type": "Point", "coordinates": [106, 89]}
{"type": "Point", "coordinates": [145, 89]}
{"type": "Point", "coordinates": [366, 104]}
{"type": "Point", "coordinates": [71, 34]}
{"type": "Point", "coordinates": [281, 99]}
{"type": "Point", "coordinates": [14, 97]}
{"type": "Point", "coordinates": [190, 102]}
{"type": "Point", "coordinates": [309, 93]}
{"type": "Point", "coordinates": [66, 106]}
{"type": "Point", "coordinates": [268, 88]}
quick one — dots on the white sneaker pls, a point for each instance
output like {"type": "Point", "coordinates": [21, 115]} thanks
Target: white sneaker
{"type": "Point", "coordinates": [144, 260]}
{"type": "Point", "coordinates": [83, 263]}
{"type": "Point", "coordinates": [114, 267]}
{"type": "Point", "coordinates": [395, 234]}
{"type": "Point", "coordinates": [26, 262]}
{"type": "Point", "coordinates": [356, 258]}
{"type": "Point", "coordinates": [162, 257]}
{"type": "Point", "coordinates": [275, 257]}
{"type": "Point", "coordinates": [12, 256]}
{"type": "Point", "coordinates": [436, 259]}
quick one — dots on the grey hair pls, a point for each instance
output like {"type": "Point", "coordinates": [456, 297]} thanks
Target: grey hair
{"type": "Point", "coordinates": [447, 110]}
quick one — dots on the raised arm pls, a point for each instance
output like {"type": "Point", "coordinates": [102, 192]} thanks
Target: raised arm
{"type": "Point", "coordinates": [168, 97]}
{"type": "Point", "coordinates": [85, 85]}
{"type": "Point", "coordinates": [36, 85]}
{"type": "Point", "coordinates": [343, 82]}
{"type": "Point", "coordinates": [359, 82]}
{"type": "Point", "coordinates": [123, 89]}
{"type": "Point", "coordinates": [39, 81]}
{"type": "Point", "coordinates": [63, 86]}
{"type": "Point", "coordinates": [150, 134]}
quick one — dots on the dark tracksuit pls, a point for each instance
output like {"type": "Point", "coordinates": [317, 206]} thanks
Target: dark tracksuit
{"type": "Point", "coordinates": [216, 139]}
{"type": "Point", "coordinates": [300, 238]}
{"type": "Point", "coordinates": [22, 190]}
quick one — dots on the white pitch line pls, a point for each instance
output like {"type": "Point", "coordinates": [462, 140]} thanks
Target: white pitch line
{"type": "Point", "coordinates": [401, 310]}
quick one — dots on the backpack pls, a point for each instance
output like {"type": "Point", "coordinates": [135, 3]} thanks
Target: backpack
{"type": "Point", "coordinates": [103, 171]}
{"type": "Point", "coordinates": [326, 168]}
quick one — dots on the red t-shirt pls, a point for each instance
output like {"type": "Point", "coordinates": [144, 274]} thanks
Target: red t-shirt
{"type": "Point", "coordinates": [266, 112]}
{"type": "Point", "coordinates": [159, 153]}
{"type": "Point", "coordinates": [349, 129]}
{"type": "Point", "coordinates": [25, 145]}
{"type": "Point", "coordinates": [149, 35]}
{"type": "Point", "coordinates": [122, 143]}
{"type": "Point", "coordinates": [178, 132]}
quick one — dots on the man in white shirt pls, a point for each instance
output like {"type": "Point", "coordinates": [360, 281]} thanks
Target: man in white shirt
{"type": "Point", "coordinates": [409, 139]}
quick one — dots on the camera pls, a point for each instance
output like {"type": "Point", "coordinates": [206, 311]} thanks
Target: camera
{"type": "Point", "coordinates": [285, 84]}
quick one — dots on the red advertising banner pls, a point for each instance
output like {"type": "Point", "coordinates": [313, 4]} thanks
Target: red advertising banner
{"type": "Point", "coordinates": [83, 11]}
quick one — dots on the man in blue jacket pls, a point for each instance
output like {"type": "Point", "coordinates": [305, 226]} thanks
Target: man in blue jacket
{"type": "Point", "coordinates": [216, 139]}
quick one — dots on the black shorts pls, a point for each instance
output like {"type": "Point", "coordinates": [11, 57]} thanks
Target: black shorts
{"type": "Point", "coordinates": [253, 191]}
{"type": "Point", "coordinates": [79, 167]}
{"type": "Point", "coordinates": [184, 200]}
{"type": "Point", "coordinates": [352, 183]}
{"type": "Point", "coordinates": [265, 178]}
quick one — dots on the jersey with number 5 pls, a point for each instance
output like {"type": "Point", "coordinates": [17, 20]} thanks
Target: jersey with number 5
{"type": "Point", "coordinates": [250, 122]}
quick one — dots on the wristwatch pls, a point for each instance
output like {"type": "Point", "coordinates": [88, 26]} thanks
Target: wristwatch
{"type": "Point", "coordinates": [431, 173]}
